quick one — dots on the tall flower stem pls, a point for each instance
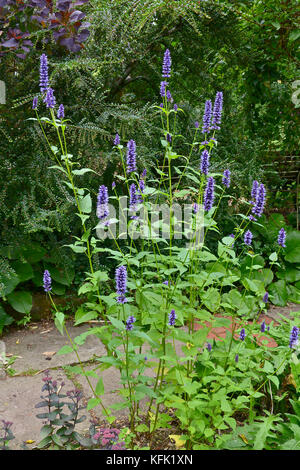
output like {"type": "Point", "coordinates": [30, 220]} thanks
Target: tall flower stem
{"type": "Point", "coordinates": [70, 176]}
{"type": "Point", "coordinates": [79, 360]}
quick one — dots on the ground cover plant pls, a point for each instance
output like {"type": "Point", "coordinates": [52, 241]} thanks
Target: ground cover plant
{"type": "Point", "coordinates": [173, 280]}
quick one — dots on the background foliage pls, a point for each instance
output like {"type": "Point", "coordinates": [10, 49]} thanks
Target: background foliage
{"type": "Point", "coordinates": [247, 49]}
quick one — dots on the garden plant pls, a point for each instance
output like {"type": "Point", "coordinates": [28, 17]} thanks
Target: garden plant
{"type": "Point", "coordinates": [173, 280]}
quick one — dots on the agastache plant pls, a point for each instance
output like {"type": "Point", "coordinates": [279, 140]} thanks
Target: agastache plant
{"type": "Point", "coordinates": [102, 203]}
{"type": "Point", "coordinates": [131, 156]}
{"type": "Point", "coordinates": [281, 238]}
{"type": "Point", "coordinates": [207, 117]}
{"type": "Point", "coordinates": [217, 111]}
{"type": "Point", "coordinates": [121, 284]}
{"type": "Point", "coordinates": [226, 178]}
{"type": "Point", "coordinates": [166, 68]}
{"type": "Point", "coordinates": [137, 285]}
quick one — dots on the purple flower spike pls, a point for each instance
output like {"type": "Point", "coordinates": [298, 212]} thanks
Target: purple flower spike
{"type": "Point", "coordinates": [163, 86]}
{"type": "Point", "coordinates": [248, 238]}
{"type": "Point", "coordinates": [117, 140]}
{"type": "Point", "coordinates": [242, 334]}
{"type": "Point", "coordinates": [207, 117]}
{"type": "Point", "coordinates": [166, 68]}
{"type": "Point", "coordinates": [113, 185]}
{"type": "Point", "coordinates": [121, 284]}
{"type": "Point", "coordinates": [254, 191]}
{"type": "Point", "coordinates": [263, 327]}
{"type": "Point", "coordinates": [209, 194]}
{"type": "Point", "coordinates": [141, 191]}
{"type": "Point", "coordinates": [131, 156]}
{"type": "Point", "coordinates": [129, 323]}
{"type": "Point", "coordinates": [169, 97]}
{"type": "Point", "coordinates": [196, 124]}
{"type": "Point", "coordinates": [44, 81]}
{"type": "Point", "coordinates": [217, 111]}
{"type": "Point", "coordinates": [226, 178]}
{"type": "Point", "coordinates": [166, 283]}
{"type": "Point", "coordinates": [144, 173]}
{"type": "Point", "coordinates": [281, 238]}
{"type": "Point", "coordinates": [47, 281]}
{"type": "Point", "coordinates": [209, 347]}
{"type": "Point", "coordinates": [34, 102]}
{"type": "Point", "coordinates": [236, 358]}
{"type": "Point", "coordinates": [294, 337]}
{"type": "Point", "coordinates": [50, 99]}
{"type": "Point", "coordinates": [61, 112]}
{"type": "Point", "coordinates": [133, 199]}
{"type": "Point", "coordinates": [195, 208]}
{"type": "Point", "coordinates": [102, 203]}
{"type": "Point", "coordinates": [260, 201]}
{"type": "Point", "coordinates": [169, 138]}
{"type": "Point", "coordinates": [204, 166]}
{"type": "Point", "coordinates": [175, 107]}
{"type": "Point", "coordinates": [266, 297]}
{"type": "Point", "coordinates": [172, 318]}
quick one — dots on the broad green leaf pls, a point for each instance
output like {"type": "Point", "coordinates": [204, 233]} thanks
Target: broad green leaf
{"type": "Point", "coordinates": [278, 293]}
{"type": "Point", "coordinates": [85, 204]}
{"type": "Point", "coordinates": [23, 270]}
{"type": "Point", "coordinates": [292, 250]}
{"type": "Point", "coordinates": [21, 301]}
{"type": "Point", "coordinates": [92, 403]}
{"type": "Point", "coordinates": [211, 299]}
{"type": "Point", "coordinates": [65, 350]}
{"type": "Point", "coordinates": [82, 316]}
{"type": "Point", "coordinates": [59, 322]}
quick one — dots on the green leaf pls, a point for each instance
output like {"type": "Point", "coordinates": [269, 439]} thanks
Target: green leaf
{"type": "Point", "coordinates": [23, 270]}
{"type": "Point", "coordinates": [278, 293]}
{"type": "Point", "coordinates": [292, 250]}
{"type": "Point", "coordinates": [21, 301]}
{"type": "Point", "coordinates": [294, 294]}
{"type": "Point", "coordinates": [294, 35]}
{"type": "Point", "coordinates": [59, 322]}
{"type": "Point", "coordinates": [263, 431]}
{"type": "Point", "coordinates": [77, 248]}
{"type": "Point", "coordinates": [116, 323]}
{"type": "Point", "coordinates": [5, 319]}
{"type": "Point", "coordinates": [65, 350]}
{"type": "Point", "coordinates": [83, 171]}
{"type": "Point", "coordinates": [9, 283]}
{"type": "Point", "coordinates": [85, 204]}
{"type": "Point", "coordinates": [33, 252]}
{"type": "Point", "coordinates": [273, 256]}
{"type": "Point", "coordinates": [92, 403]}
{"type": "Point", "coordinates": [45, 431]}
{"type": "Point", "coordinates": [289, 274]}
{"type": "Point", "coordinates": [82, 316]}
{"type": "Point", "coordinates": [44, 442]}
{"type": "Point", "coordinates": [87, 287]}
{"type": "Point", "coordinates": [225, 406]}
{"type": "Point", "coordinates": [211, 299]}
{"type": "Point", "coordinates": [99, 387]}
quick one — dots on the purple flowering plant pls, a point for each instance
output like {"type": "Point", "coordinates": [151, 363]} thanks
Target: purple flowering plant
{"type": "Point", "coordinates": [159, 291]}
